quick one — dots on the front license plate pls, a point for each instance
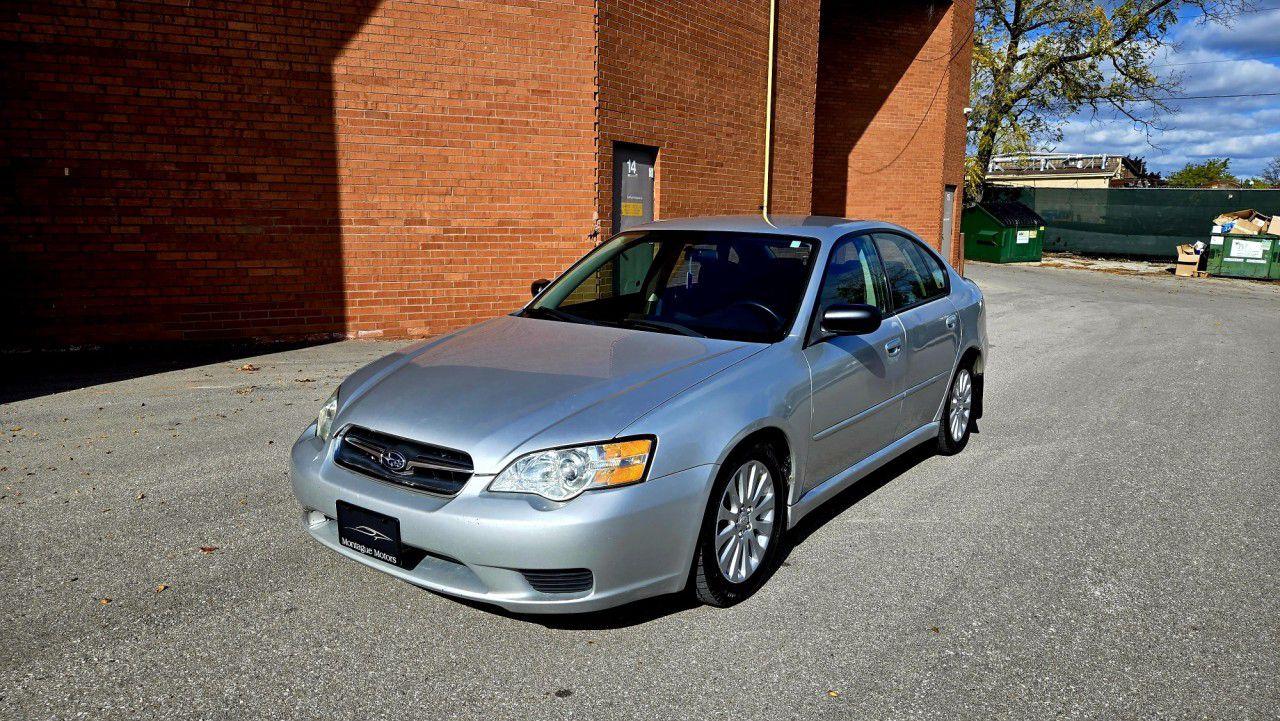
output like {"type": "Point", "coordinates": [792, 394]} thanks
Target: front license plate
{"type": "Point", "coordinates": [370, 533]}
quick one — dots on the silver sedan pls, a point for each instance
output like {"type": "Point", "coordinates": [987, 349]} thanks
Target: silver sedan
{"type": "Point", "coordinates": [654, 420]}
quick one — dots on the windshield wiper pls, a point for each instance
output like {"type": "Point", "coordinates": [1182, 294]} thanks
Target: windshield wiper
{"type": "Point", "coordinates": [554, 314]}
{"type": "Point", "coordinates": [662, 326]}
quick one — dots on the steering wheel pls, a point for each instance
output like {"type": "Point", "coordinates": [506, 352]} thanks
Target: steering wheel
{"type": "Point", "coordinates": [761, 307]}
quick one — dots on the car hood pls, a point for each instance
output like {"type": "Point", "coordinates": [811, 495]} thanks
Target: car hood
{"type": "Point", "coordinates": [513, 385]}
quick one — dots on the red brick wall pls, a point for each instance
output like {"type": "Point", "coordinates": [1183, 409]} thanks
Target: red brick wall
{"type": "Point", "coordinates": [283, 169]}
{"type": "Point", "coordinates": [892, 86]}
{"type": "Point", "coordinates": [169, 170]}
{"type": "Point", "coordinates": [465, 151]}
{"type": "Point", "coordinates": [272, 168]}
{"type": "Point", "coordinates": [690, 78]}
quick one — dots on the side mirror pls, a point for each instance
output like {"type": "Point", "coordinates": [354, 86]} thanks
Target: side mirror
{"type": "Point", "coordinates": [857, 319]}
{"type": "Point", "coordinates": [536, 286]}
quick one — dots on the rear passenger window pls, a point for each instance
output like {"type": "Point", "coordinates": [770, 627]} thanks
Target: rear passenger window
{"type": "Point", "coordinates": [913, 274]}
{"type": "Point", "coordinates": [935, 276]}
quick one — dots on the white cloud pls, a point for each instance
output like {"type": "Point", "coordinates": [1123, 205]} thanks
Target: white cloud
{"type": "Point", "coordinates": [1248, 34]}
{"type": "Point", "coordinates": [1245, 129]}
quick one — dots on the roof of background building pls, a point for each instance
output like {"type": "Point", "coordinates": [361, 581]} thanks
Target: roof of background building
{"type": "Point", "coordinates": [1058, 164]}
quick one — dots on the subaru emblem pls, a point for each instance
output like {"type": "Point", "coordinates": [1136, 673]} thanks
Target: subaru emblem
{"type": "Point", "coordinates": [394, 461]}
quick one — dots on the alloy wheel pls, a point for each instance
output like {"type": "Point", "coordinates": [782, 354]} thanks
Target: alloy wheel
{"type": "Point", "coordinates": [744, 523]}
{"type": "Point", "coordinates": [961, 404]}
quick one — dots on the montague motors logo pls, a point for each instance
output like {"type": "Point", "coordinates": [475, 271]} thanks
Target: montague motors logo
{"type": "Point", "coordinates": [373, 533]}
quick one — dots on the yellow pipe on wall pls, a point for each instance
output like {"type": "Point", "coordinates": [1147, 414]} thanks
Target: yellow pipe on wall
{"type": "Point", "coordinates": [768, 108]}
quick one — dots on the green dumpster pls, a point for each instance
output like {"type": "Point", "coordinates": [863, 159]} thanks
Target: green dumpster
{"type": "Point", "coordinates": [1002, 232]}
{"type": "Point", "coordinates": [1244, 256]}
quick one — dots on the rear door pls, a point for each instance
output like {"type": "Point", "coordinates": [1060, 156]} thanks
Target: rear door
{"type": "Point", "coordinates": [855, 378]}
{"type": "Point", "coordinates": [918, 288]}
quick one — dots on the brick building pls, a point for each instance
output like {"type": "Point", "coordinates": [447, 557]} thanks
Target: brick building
{"type": "Point", "coordinates": [178, 170]}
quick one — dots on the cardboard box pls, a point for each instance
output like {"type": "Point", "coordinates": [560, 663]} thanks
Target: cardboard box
{"type": "Point", "coordinates": [1274, 228]}
{"type": "Point", "coordinates": [1242, 222]}
{"type": "Point", "coordinates": [1188, 261]}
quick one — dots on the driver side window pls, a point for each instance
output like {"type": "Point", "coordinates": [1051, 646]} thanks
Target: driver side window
{"type": "Point", "coordinates": [853, 276]}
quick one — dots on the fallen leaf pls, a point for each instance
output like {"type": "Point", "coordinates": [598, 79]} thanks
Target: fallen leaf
{"type": "Point", "coordinates": [103, 601]}
{"type": "Point", "coordinates": [935, 629]}
{"type": "Point", "coordinates": [208, 549]}
{"type": "Point", "coordinates": [305, 380]}
{"type": "Point", "coordinates": [141, 496]}
{"type": "Point", "coordinates": [161, 587]}
{"type": "Point", "coordinates": [248, 367]}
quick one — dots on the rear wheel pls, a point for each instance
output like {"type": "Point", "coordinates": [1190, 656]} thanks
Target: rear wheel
{"type": "Point", "coordinates": [957, 415]}
{"type": "Point", "coordinates": [741, 537]}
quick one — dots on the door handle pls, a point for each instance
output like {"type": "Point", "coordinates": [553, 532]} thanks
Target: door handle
{"type": "Point", "coordinates": [951, 321]}
{"type": "Point", "coordinates": [893, 348]}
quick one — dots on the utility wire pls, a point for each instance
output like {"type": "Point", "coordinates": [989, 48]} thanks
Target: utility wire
{"type": "Point", "coordinates": [1210, 62]}
{"type": "Point", "coordinates": [1193, 16]}
{"type": "Point", "coordinates": [1207, 97]}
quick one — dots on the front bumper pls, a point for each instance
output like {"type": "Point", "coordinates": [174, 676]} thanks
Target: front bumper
{"type": "Point", "coordinates": [637, 541]}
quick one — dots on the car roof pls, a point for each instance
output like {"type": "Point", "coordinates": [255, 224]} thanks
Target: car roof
{"type": "Point", "coordinates": [819, 227]}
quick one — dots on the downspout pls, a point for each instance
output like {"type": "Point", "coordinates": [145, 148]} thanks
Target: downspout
{"type": "Point", "coordinates": [768, 109]}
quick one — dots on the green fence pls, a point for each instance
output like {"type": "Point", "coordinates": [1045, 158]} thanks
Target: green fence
{"type": "Point", "coordinates": [1135, 222]}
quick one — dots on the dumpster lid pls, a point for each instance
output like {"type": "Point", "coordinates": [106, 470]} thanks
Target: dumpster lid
{"type": "Point", "coordinates": [1012, 213]}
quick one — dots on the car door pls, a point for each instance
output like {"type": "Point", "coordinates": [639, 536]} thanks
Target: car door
{"type": "Point", "coordinates": [918, 289]}
{"type": "Point", "coordinates": [855, 378]}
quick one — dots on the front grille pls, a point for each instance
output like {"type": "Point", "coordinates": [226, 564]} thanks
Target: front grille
{"type": "Point", "coordinates": [562, 580]}
{"type": "Point", "coordinates": [416, 465]}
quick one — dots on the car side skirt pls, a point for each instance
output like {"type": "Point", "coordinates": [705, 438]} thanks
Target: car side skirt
{"type": "Point", "coordinates": [837, 483]}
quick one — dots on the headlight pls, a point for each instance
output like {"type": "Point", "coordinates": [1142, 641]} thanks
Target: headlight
{"type": "Point", "coordinates": [324, 421]}
{"type": "Point", "coordinates": [563, 473]}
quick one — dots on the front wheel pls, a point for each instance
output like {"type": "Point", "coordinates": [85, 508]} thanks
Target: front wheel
{"type": "Point", "coordinates": [957, 415]}
{"type": "Point", "coordinates": [741, 537]}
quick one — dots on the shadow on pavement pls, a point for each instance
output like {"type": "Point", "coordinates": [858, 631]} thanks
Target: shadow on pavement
{"type": "Point", "coordinates": [650, 609]}
{"type": "Point", "coordinates": [31, 375]}
{"type": "Point", "coordinates": [851, 496]}
{"type": "Point", "coordinates": [631, 614]}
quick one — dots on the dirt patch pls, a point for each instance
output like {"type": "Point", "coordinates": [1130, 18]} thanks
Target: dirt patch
{"type": "Point", "coordinates": [1105, 265]}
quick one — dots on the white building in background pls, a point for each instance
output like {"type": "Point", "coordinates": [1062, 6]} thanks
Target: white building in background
{"type": "Point", "coordinates": [1067, 170]}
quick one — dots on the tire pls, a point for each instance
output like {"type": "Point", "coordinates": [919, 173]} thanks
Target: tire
{"type": "Point", "coordinates": [711, 583]}
{"type": "Point", "coordinates": [957, 414]}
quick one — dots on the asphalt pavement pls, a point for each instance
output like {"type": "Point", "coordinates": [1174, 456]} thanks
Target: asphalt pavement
{"type": "Point", "coordinates": [1106, 547]}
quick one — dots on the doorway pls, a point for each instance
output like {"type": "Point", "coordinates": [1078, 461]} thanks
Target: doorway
{"type": "Point", "coordinates": [633, 171]}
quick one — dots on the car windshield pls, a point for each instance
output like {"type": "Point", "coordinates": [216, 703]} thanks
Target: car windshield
{"type": "Point", "coordinates": [732, 286]}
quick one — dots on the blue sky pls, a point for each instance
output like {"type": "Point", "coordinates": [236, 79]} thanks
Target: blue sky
{"type": "Point", "coordinates": [1213, 60]}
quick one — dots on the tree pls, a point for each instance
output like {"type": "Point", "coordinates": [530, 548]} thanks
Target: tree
{"type": "Point", "coordinates": [1199, 175]}
{"type": "Point", "coordinates": [1037, 62]}
{"type": "Point", "coordinates": [1271, 173]}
